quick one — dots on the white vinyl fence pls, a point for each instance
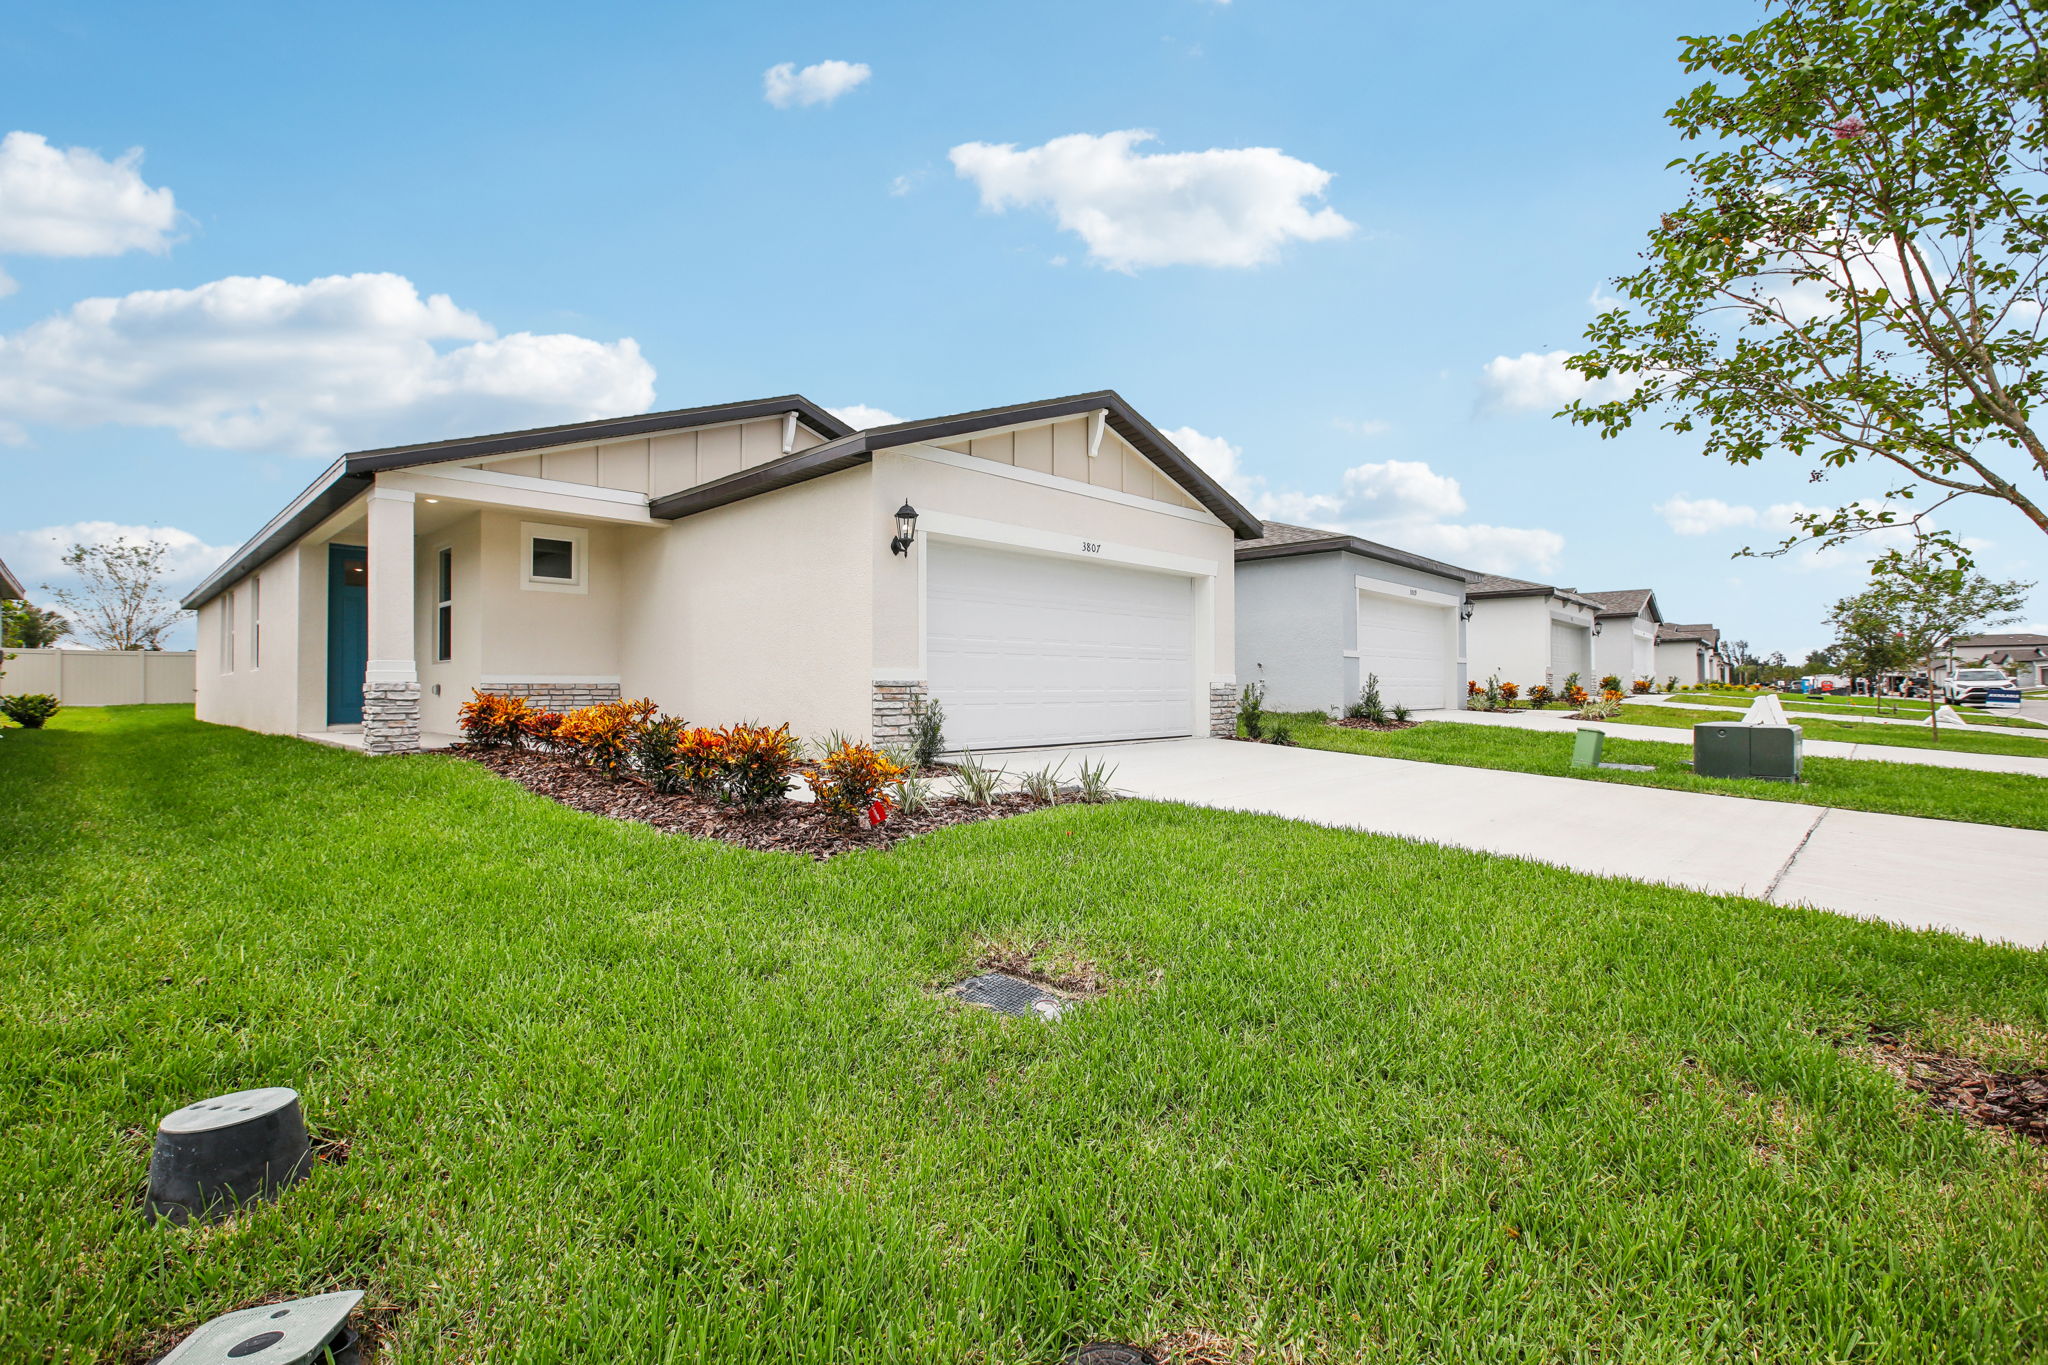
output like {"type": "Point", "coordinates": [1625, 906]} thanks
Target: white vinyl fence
{"type": "Point", "coordinates": [102, 677]}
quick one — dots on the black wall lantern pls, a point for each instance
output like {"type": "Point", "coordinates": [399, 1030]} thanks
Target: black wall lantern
{"type": "Point", "coordinates": [1465, 611]}
{"type": "Point", "coordinates": [906, 529]}
{"type": "Point", "coordinates": [1596, 627]}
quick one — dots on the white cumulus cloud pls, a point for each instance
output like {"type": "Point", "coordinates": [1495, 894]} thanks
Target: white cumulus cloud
{"type": "Point", "coordinates": [38, 555]}
{"type": "Point", "coordinates": [1539, 382]}
{"type": "Point", "coordinates": [820, 83]}
{"type": "Point", "coordinates": [860, 416]}
{"type": "Point", "coordinates": [75, 202]}
{"type": "Point", "coordinates": [1703, 516]}
{"type": "Point", "coordinates": [1402, 503]}
{"type": "Point", "coordinates": [1222, 207]}
{"type": "Point", "coordinates": [341, 362]}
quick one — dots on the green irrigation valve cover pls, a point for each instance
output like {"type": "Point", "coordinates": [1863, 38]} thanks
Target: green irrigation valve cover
{"type": "Point", "coordinates": [301, 1332]}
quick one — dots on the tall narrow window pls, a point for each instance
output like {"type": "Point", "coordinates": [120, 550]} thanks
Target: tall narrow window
{"type": "Point", "coordinates": [227, 631]}
{"type": "Point", "coordinates": [444, 605]}
{"type": "Point", "coordinates": [256, 621]}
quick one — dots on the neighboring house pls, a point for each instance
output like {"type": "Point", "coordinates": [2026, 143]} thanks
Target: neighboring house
{"type": "Point", "coordinates": [1692, 654]}
{"type": "Point", "coordinates": [2024, 656]}
{"type": "Point", "coordinates": [1319, 611]}
{"type": "Point", "coordinates": [1068, 578]}
{"type": "Point", "coordinates": [1528, 633]}
{"type": "Point", "coordinates": [10, 586]}
{"type": "Point", "coordinates": [1625, 641]}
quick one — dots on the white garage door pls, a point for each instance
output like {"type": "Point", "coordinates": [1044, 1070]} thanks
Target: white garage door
{"type": "Point", "coordinates": [1026, 649]}
{"type": "Point", "coordinates": [1407, 643]}
{"type": "Point", "coordinates": [1571, 651]}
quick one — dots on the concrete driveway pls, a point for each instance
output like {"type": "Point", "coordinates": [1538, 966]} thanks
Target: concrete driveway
{"type": "Point", "coordinates": [1936, 874]}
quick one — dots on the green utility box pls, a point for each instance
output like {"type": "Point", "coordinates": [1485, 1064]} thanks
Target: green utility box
{"type": "Point", "coordinates": [1586, 748]}
{"type": "Point", "coordinates": [1772, 752]}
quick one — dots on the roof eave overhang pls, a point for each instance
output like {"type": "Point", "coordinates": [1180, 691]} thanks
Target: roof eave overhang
{"type": "Point", "coordinates": [1386, 554]}
{"type": "Point", "coordinates": [326, 495]}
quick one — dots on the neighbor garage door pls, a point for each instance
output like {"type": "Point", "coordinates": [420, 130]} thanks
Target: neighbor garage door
{"type": "Point", "coordinates": [1027, 649]}
{"type": "Point", "coordinates": [1407, 644]}
{"type": "Point", "coordinates": [1571, 651]}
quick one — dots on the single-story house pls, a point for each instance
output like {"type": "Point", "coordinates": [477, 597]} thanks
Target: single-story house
{"type": "Point", "coordinates": [10, 586]}
{"type": "Point", "coordinates": [1528, 633]}
{"type": "Point", "coordinates": [2022, 655]}
{"type": "Point", "coordinates": [1320, 611]}
{"type": "Point", "coordinates": [1053, 572]}
{"type": "Point", "coordinates": [1691, 654]}
{"type": "Point", "coordinates": [1625, 634]}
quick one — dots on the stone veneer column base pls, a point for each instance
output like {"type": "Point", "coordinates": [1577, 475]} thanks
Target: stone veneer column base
{"type": "Point", "coordinates": [1222, 710]}
{"type": "Point", "coordinates": [895, 711]}
{"type": "Point", "coordinates": [391, 717]}
{"type": "Point", "coordinates": [557, 696]}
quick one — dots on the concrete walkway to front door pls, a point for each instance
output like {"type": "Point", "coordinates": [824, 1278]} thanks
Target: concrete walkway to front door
{"type": "Point", "coordinates": [1937, 874]}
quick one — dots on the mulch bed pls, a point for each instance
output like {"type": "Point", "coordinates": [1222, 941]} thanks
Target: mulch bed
{"type": "Point", "coordinates": [2013, 1100]}
{"type": "Point", "coordinates": [1361, 723]}
{"type": "Point", "coordinates": [796, 827]}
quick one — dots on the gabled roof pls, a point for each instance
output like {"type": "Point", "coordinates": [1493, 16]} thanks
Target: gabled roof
{"type": "Point", "coordinates": [603, 429]}
{"type": "Point", "coordinates": [1282, 540]}
{"type": "Point", "coordinates": [10, 586]}
{"type": "Point", "coordinates": [1500, 585]}
{"type": "Point", "coordinates": [859, 447]}
{"type": "Point", "coordinates": [1626, 602]}
{"type": "Point", "coordinates": [1668, 634]}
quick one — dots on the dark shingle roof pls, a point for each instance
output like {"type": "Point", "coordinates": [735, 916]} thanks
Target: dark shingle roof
{"type": "Point", "coordinates": [1500, 585]}
{"type": "Point", "coordinates": [1626, 602]}
{"type": "Point", "coordinates": [1997, 641]}
{"type": "Point", "coordinates": [1282, 540]}
{"type": "Point", "coordinates": [1708, 634]}
{"type": "Point", "coordinates": [10, 586]}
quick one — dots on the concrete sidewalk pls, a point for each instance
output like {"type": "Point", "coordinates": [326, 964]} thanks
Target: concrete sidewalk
{"type": "Point", "coordinates": [1952, 720]}
{"type": "Point", "coordinates": [1921, 873]}
{"type": "Point", "coordinates": [1560, 722]}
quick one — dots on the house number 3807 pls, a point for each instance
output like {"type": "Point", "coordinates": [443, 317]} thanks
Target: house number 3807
{"type": "Point", "coordinates": [1091, 547]}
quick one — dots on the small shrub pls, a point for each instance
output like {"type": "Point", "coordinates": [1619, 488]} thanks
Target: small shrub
{"type": "Point", "coordinates": [1641, 687]}
{"type": "Point", "coordinates": [1540, 696]}
{"type": "Point", "coordinates": [539, 728]}
{"type": "Point", "coordinates": [1042, 785]}
{"type": "Point", "coordinates": [1671, 683]}
{"type": "Point", "coordinates": [760, 765]}
{"type": "Point", "coordinates": [1611, 695]}
{"type": "Point", "coordinates": [1401, 713]}
{"type": "Point", "coordinates": [1370, 705]}
{"type": "Point", "coordinates": [492, 721]}
{"type": "Point", "coordinates": [914, 794]}
{"type": "Point", "coordinates": [700, 763]}
{"type": "Point", "coordinates": [29, 709]}
{"type": "Point", "coordinates": [1494, 697]}
{"type": "Point", "coordinates": [604, 735]}
{"type": "Point", "coordinates": [854, 782]}
{"type": "Point", "coordinates": [1604, 709]}
{"type": "Point", "coordinates": [1571, 680]}
{"type": "Point", "coordinates": [1251, 711]}
{"type": "Point", "coordinates": [1574, 695]}
{"type": "Point", "coordinates": [1510, 691]}
{"type": "Point", "coordinates": [927, 732]}
{"type": "Point", "coordinates": [1610, 683]}
{"type": "Point", "coordinates": [654, 753]}
{"type": "Point", "coordinates": [1281, 732]}
{"type": "Point", "coordinates": [974, 782]}
{"type": "Point", "coordinates": [1092, 782]}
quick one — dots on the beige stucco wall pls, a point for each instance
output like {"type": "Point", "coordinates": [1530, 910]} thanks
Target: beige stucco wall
{"type": "Point", "coordinates": [1626, 647]}
{"type": "Point", "coordinates": [1509, 637]}
{"type": "Point", "coordinates": [1052, 519]}
{"type": "Point", "coordinates": [254, 695]}
{"type": "Point", "coordinates": [658, 464]}
{"type": "Point", "coordinates": [758, 611]}
{"type": "Point", "coordinates": [1681, 659]}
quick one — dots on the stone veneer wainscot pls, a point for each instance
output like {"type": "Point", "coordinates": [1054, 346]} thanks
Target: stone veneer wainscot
{"type": "Point", "coordinates": [895, 710]}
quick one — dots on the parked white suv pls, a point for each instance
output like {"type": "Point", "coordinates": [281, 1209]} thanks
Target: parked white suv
{"type": "Point", "coordinates": [1975, 684]}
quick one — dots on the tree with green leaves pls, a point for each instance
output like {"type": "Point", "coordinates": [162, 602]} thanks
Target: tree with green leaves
{"type": "Point", "coordinates": [1856, 275]}
{"type": "Point", "coordinates": [119, 602]}
{"type": "Point", "coordinates": [25, 626]}
{"type": "Point", "coordinates": [1915, 604]}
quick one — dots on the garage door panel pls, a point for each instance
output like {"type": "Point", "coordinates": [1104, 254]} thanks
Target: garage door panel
{"type": "Point", "coordinates": [1571, 651]}
{"type": "Point", "coordinates": [1026, 649]}
{"type": "Point", "coordinates": [1407, 645]}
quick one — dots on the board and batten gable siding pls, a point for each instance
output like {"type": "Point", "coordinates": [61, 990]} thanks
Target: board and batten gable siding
{"type": "Point", "coordinates": [656, 465]}
{"type": "Point", "coordinates": [1061, 449]}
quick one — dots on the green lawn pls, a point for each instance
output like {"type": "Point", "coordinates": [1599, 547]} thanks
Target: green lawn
{"type": "Point", "coordinates": [1849, 732]}
{"type": "Point", "coordinates": [1850, 783]}
{"type": "Point", "coordinates": [617, 1096]}
{"type": "Point", "coordinates": [1854, 708]}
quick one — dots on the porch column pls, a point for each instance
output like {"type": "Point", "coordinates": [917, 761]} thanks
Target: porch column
{"type": "Point", "coordinates": [391, 683]}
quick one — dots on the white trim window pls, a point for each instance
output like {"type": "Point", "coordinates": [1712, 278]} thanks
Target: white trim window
{"type": "Point", "coordinates": [553, 558]}
{"type": "Point", "coordinates": [444, 604]}
{"type": "Point", "coordinates": [227, 631]}
{"type": "Point", "coordinates": [256, 622]}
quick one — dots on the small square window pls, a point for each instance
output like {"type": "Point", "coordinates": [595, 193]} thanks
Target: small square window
{"type": "Point", "coordinates": [554, 560]}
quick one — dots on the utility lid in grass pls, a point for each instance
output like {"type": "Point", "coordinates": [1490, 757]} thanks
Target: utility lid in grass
{"type": "Point", "coordinates": [1006, 994]}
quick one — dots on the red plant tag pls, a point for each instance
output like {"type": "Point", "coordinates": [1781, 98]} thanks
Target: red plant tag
{"type": "Point", "coordinates": [877, 813]}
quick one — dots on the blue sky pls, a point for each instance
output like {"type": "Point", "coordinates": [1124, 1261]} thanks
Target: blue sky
{"type": "Point", "coordinates": [1377, 222]}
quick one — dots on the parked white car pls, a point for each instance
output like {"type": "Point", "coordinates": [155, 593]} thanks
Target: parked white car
{"type": "Point", "coordinates": [1977, 684]}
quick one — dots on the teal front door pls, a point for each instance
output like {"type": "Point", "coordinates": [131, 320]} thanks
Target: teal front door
{"type": "Point", "coordinates": [348, 632]}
